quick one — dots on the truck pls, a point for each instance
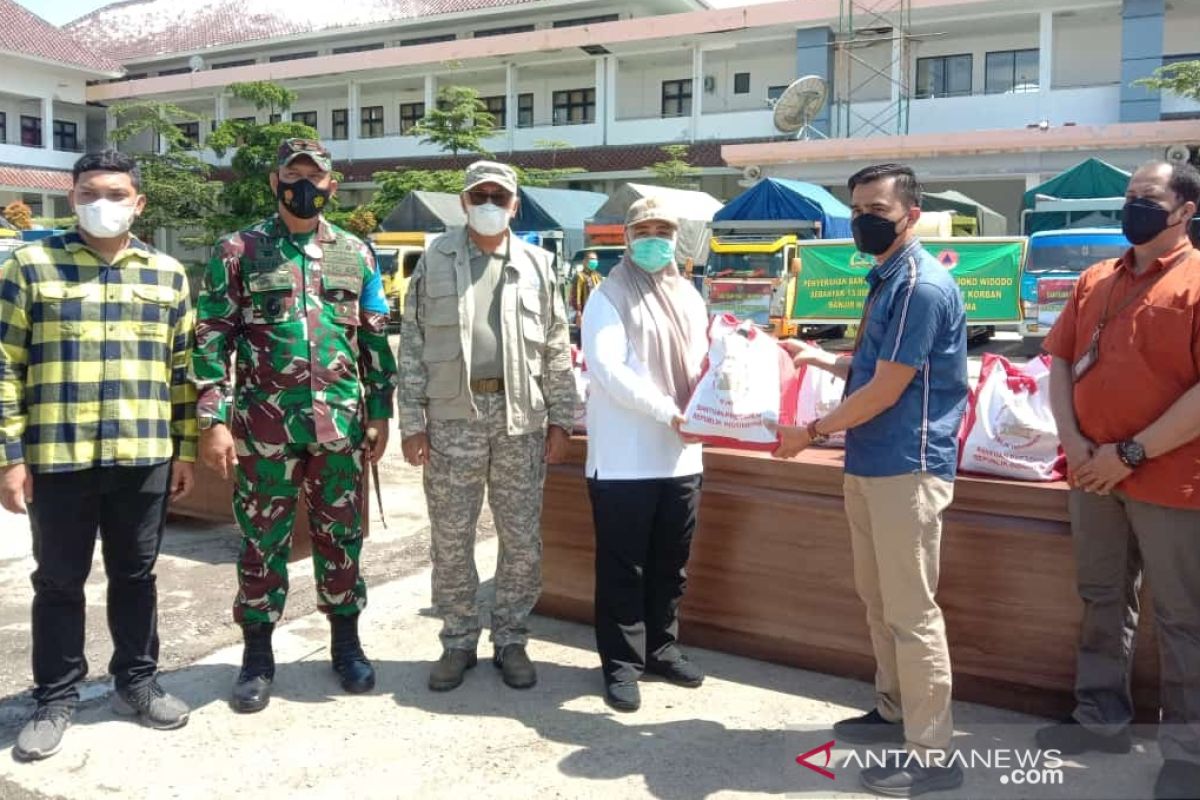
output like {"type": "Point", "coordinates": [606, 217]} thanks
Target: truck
{"type": "Point", "coordinates": [1053, 262]}
{"type": "Point", "coordinates": [750, 268]}
{"type": "Point", "coordinates": [397, 254]}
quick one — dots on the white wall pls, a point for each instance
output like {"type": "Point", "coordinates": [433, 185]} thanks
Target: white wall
{"type": "Point", "coordinates": [1182, 31]}
{"type": "Point", "coordinates": [32, 79]}
{"type": "Point", "coordinates": [1087, 50]}
{"type": "Point", "coordinates": [862, 77]}
{"type": "Point", "coordinates": [773, 65]}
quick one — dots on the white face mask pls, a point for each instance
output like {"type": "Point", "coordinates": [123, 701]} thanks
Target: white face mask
{"type": "Point", "coordinates": [105, 219]}
{"type": "Point", "coordinates": [488, 219]}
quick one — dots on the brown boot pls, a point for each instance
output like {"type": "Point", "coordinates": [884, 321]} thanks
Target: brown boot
{"type": "Point", "coordinates": [448, 672]}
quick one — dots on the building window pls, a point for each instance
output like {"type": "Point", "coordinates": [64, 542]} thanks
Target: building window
{"type": "Point", "coordinates": [3, 127]}
{"type": "Point", "coordinates": [677, 98]}
{"type": "Point", "coordinates": [191, 132]}
{"type": "Point", "coordinates": [944, 76]}
{"type": "Point", "coordinates": [308, 118]}
{"type": "Point", "coordinates": [410, 115]}
{"type": "Point", "coordinates": [441, 37]}
{"type": "Point", "coordinates": [341, 124]}
{"type": "Point", "coordinates": [65, 136]}
{"type": "Point", "coordinates": [776, 92]}
{"type": "Point", "coordinates": [275, 119]}
{"type": "Point", "coordinates": [570, 23]}
{"type": "Point", "coordinates": [503, 31]}
{"type": "Point", "coordinates": [175, 71]}
{"type": "Point", "coordinates": [371, 122]}
{"type": "Point", "coordinates": [245, 62]}
{"type": "Point", "coordinates": [575, 107]}
{"type": "Point", "coordinates": [741, 83]}
{"type": "Point", "coordinates": [1011, 72]}
{"type": "Point", "coordinates": [357, 48]}
{"type": "Point", "coordinates": [246, 120]}
{"type": "Point", "coordinates": [292, 56]}
{"type": "Point", "coordinates": [31, 131]}
{"type": "Point", "coordinates": [496, 106]}
{"type": "Point", "coordinates": [525, 110]}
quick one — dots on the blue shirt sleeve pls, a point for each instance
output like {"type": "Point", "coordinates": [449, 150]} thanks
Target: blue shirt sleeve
{"type": "Point", "coordinates": [917, 313]}
{"type": "Point", "coordinates": [372, 292]}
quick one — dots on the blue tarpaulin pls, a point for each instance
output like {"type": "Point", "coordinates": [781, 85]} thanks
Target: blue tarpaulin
{"type": "Point", "coordinates": [779, 198]}
{"type": "Point", "coordinates": [565, 210]}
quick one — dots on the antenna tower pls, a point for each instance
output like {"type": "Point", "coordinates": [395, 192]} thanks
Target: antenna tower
{"type": "Point", "coordinates": [865, 26]}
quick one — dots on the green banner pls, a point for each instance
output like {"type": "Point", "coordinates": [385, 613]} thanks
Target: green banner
{"type": "Point", "coordinates": [832, 287]}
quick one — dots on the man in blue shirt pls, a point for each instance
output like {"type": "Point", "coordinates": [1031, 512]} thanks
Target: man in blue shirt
{"type": "Point", "coordinates": [906, 388]}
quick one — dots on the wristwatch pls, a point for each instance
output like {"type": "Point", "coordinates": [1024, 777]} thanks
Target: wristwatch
{"type": "Point", "coordinates": [1131, 453]}
{"type": "Point", "coordinates": [207, 422]}
{"type": "Point", "coordinates": [815, 436]}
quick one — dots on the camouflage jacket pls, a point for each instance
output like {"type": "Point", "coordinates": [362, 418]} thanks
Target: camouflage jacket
{"type": "Point", "coordinates": [435, 339]}
{"type": "Point", "coordinates": [305, 316]}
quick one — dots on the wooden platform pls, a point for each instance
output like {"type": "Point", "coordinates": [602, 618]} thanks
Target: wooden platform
{"type": "Point", "coordinates": [770, 577]}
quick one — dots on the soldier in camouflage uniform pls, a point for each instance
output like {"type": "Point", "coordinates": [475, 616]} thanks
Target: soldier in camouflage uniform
{"type": "Point", "coordinates": [300, 304]}
{"type": "Point", "coordinates": [486, 399]}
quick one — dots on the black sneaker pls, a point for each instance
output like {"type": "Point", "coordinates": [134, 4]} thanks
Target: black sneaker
{"type": "Point", "coordinates": [905, 779]}
{"type": "Point", "coordinates": [153, 707]}
{"type": "Point", "coordinates": [1178, 780]}
{"type": "Point", "coordinates": [1070, 738]}
{"type": "Point", "coordinates": [679, 671]}
{"type": "Point", "coordinates": [870, 728]}
{"type": "Point", "coordinates": [623, 695]}
{"type": "Point", "coordinates": [42, 735]}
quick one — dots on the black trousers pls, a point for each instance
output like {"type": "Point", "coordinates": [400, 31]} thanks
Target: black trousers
{"type": "Point", "coordinates": [128, 505]}
{"type": "Point", "coordinates": [644, 534]}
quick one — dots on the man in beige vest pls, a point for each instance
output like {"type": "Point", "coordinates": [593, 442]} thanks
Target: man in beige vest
{"type": "Point", "coordinates": [486, 399]}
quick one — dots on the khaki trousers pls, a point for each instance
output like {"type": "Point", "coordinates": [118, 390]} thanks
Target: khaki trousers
{"type": "Point", "coordinates": [896, 535]}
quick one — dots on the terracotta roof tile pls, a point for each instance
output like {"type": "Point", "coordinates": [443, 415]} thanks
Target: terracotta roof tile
{"type": "Point", "coordinates": [36, 179]}
{"type": "Point", "coordinates": [22, 31]}
{"type": "Point", "coordinates": [136, 29]}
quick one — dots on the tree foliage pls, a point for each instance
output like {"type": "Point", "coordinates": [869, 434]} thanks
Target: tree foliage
{"type": "Point", "coordinates": [1181, 78]}
{"type": "Point", "coordinates": [458, 123]}
{"type": "Point", "coordinates": [18, 215]}
{"type": "Point", "coordinates": [675, 170]}
{"type": "Point", "coordinates": [179, 191]}
{"type": "Point", "coordinates": [394, 186]}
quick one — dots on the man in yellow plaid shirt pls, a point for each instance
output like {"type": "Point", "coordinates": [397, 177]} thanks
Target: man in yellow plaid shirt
{"type": "Point", "coordinates": [97, 432]}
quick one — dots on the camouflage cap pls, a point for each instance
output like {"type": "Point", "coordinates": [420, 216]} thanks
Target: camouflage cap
{"type": "Point", "coordinates": [650, 208]}
{"type": "Point", "coordinates": [491, 172]}
{"type": "Point", "coordinates": [291, 149]}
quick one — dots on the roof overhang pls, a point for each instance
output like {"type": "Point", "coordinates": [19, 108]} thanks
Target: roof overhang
{"type": "Point", "coordinates": [64, 65]}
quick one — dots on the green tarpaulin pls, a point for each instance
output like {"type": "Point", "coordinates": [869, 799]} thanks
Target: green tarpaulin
{"type": "Point", "coordinates": [991, 223]}
{"type": "Point", "coordinates": [1090, 179]}
{"type": "Point", "coordinates": [832, 287]}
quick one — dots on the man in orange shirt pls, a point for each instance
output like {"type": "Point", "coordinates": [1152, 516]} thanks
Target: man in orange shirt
{"type": "Point", "coordinates": [1125, 389]}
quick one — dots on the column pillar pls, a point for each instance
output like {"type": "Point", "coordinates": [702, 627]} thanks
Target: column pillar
{"type": "Point", "coordinates": [510, 106]}
{"type": "Point", "coordinates": [814, 56]}
{"type": "Point", "coordinates": [353, 118]}
{"type": "Point", "coordinates": [430, 92]}
{"type": "Point", "coordinates": [1142, 25]}
{"type": "Point", "coordinates": [697, 91]}
{"type": "Point", "coordinates": [48, 123]}
{"type": "Point", "coordinates": [1046, 52]}
{"type": "Point", "coordinates": [610, 94]}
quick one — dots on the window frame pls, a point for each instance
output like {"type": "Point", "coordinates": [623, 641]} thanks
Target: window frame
{"type": "Point", "coordinates": [1012, 55]}
{"type": "Point", "coordinates": [3, 127]}
{"type": "Point", "coordinates": [32, 124]}
{"type": "Point", "coordinates": [919, 91]}
{"type": "Point", "coordinates": [593, 20]}
{"type": "Point", "coordinates": [310, 118]}
{"type": "Point", "coordinates": [564, 100]}
{"type": "Point", "coordinates": [525, 110]}
{"type": "Point", "coordinates": [681, 96]}
{"type": "Point", "coordinates": [186, 129]}
{"type": "Point", "coordinates": [243, 62]}
{"type": "Point", "coordinates": [367, 120]}
{"type": "Point", "coordinates": [497, 106]}
{"type": "Point", "coordinates": [334, 123]}
{"type": "Point", "coordinates": [408, 121]}
{"type": "Point", "coordinates": [58, 134]}
{"type": "Point", "coordinates": [504, 30]}
{"type": "Point", "coordinates": [738, 79]}
{"type": "Point", "coordinates": [281, 57]}
{"type": "Point", "coordinates": [357, 48]}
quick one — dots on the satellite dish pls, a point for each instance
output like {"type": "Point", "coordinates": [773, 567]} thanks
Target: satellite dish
{"type": "Point", "coordinates": [1178, 154]}
{"type": "Point", "coordinates": [195, 63]}
{"type": "Point", "coordinates": [799, 105]}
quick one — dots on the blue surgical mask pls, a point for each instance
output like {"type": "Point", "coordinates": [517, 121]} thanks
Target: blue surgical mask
{"type": "Point", "coordinates": [652, 254]}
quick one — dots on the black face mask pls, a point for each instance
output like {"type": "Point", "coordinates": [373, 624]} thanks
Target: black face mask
{"type": "Point", "coordinates": [302, 198]}
{"type": "Point", "coordinates": [873, 234]}
{"type": "Point", "coordinates": [1142, 220]}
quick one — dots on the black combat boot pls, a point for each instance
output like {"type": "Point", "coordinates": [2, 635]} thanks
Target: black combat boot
{"type": "Point", "coordinates": [349, 661]}
{"type": "Point", "coordinates": [252, 691]}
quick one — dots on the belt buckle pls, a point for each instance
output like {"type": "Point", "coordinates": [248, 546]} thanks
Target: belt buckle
{"type": "Point", "coordinates": [488, 385]}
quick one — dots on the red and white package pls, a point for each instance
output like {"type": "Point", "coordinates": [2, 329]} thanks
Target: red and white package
{"type": "Point", "coordinates": [820, 393]}
{"type": "Point", "coordinates": [748, 381]}
{"type": "Point", "coordinates": [1009, 430]}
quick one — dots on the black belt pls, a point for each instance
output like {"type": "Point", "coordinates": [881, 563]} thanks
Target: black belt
{"type": "Point", "coordinates": [488, 386]}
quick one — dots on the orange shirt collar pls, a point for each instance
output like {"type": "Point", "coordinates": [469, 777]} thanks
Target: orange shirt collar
{"type": "Point", "coordinates": [1167, 259]}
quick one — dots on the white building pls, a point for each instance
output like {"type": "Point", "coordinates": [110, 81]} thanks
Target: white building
{"type": "Point", "coordinates": [45, 122]}
{"type": "Point", "coordinates": [987, 96]}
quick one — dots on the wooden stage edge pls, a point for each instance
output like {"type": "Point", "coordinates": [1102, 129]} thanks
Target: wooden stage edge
{"type": "Point", "coordinates": [770, 578]}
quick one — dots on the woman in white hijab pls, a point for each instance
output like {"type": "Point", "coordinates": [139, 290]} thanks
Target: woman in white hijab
{"type": "Point", "coordinates": [644, 341]}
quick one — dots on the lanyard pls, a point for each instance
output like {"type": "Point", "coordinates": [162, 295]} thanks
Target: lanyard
{"type": "Point", "coordinates": [1131, 297]}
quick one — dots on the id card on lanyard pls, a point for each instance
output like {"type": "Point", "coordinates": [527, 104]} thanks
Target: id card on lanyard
{"type": "Point", "coordinates": [1091, 356]}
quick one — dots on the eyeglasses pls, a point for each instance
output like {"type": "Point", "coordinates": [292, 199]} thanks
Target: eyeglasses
{"type": "Point", "coordinates": [500, 198]}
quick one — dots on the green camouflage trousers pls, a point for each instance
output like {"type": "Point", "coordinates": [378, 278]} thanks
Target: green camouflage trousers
{"type": "Point", "coordinates": [269, 481]}
{"type": "Point", "coordinates": [465, 457]}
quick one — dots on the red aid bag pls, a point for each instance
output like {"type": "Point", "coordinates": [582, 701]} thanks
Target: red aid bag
{"type": "Point", "coordinates": [1009, 429]}
{"type": "Point", "coordinates": [748, 380]}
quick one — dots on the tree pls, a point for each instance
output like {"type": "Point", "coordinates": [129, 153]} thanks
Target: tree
{"type": "Point", "coordinates": [1181, 78]}
{"type": "Point", "coordinates": [675, 171]}
{"type": "Point", "coordinates": [19, 215]}
{"type": "Point", "coordinates": [176, 182]}
{"type": "Point", "coordinates": [538, 176]}
{"type": "Point", "coordinates": [247, 197]}
{"type": "Point", "coordinates": [361, 222]}
{"type": "Point", "coordinates": [394, 186]}
{"type": "Point", "coordinates": [458, 123]}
